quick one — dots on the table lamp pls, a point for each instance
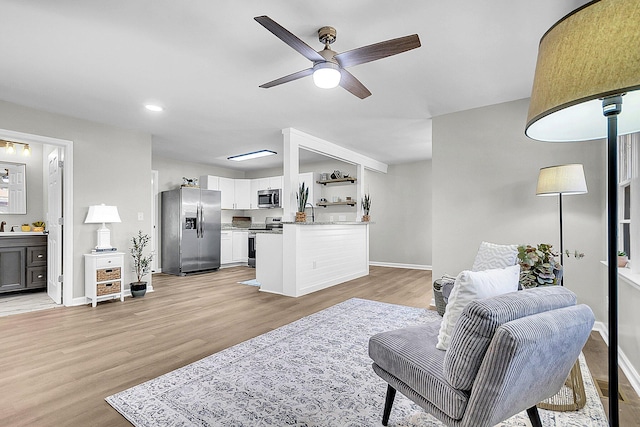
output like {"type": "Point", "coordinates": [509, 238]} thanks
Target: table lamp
{"type": "Point", "coordinates": [101, 214]}
{"type": "Point", "coordinates": [588, 67]}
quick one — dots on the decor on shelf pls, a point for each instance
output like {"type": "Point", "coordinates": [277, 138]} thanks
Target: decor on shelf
{"type": "Point", "coordinates": [101, 214]}
{"type": "Point", "coordinates": [141, 263]}
{"type": "Point", "coordinates": [366, 205]}
{"type": "Point", "coordinates": [302, 196]}
{"type": "Point", "coordinates": [38, 226]}
{"type": "Point", "coordinates": [587, 64]}
{"type": "Point", "coordinates": [538, 266]}
{"type": "Point", "coordinates": [25, 227]}
{"type": "Point", "coordinates": [189, 182]}
{"type": "Point", "coordinates": [623, 259]}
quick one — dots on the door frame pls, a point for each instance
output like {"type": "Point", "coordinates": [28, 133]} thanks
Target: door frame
{"type": "Point", "coordinates": [67, 200]}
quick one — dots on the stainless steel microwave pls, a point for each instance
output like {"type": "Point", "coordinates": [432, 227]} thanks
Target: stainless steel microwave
{"type": "Point", "coordinates": [269, 198]}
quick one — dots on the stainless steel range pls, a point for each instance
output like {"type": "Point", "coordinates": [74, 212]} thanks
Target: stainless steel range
{"type": "Point", "coordinates": [270, 223]}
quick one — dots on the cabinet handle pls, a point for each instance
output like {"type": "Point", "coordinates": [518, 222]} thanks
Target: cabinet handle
{"type": "Point", "coordinates": [40, 256]}
{"type": "Point", "coordinates": [108, 271]}
{"type": "Point", "coordinates": [40, 276]}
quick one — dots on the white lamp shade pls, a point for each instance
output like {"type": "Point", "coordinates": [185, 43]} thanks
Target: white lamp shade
{"type": "Point", "coordinates": [102, 214]}
{"type": "Point", "coordinates": [326, 75]}
{"type": "Point", "coordinates": [590, 54]}
{"type": "Point", "coordinates": [563, 179]}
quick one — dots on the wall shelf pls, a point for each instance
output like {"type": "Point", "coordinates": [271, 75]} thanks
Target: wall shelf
{"type": "Point", "coordinates": [337, 181]}
{"type": "Point", "coordinates": [325, 204]}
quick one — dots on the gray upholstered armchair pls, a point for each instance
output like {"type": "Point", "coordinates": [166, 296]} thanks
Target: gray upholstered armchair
{"type": "Point", "coordinates": [507, 354]}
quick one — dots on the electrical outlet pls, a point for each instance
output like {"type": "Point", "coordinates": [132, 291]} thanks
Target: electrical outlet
{"type": "Point", "coordinates": [140, 216]}
{"type": "Point", "coordinates": [314, 265]}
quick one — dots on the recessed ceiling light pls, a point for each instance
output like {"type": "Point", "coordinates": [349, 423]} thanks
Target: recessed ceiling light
{"type": "Point", "coordinates": [153, 107]}
{"type": "Point", "coordinates": [252, 155]}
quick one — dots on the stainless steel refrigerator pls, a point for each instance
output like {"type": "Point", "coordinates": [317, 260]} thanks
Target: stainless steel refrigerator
{"type": "Point", "coordinates": [190, 230]}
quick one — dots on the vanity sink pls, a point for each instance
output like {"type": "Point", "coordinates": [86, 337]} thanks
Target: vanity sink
{"type": "Point", "coordinates": [21, 233]}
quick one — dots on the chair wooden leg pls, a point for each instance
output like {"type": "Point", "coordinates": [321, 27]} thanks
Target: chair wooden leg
{"type": "Point", "coordinates": [388, 403]}
{"type": "Point", "coordinates": [534, 417]}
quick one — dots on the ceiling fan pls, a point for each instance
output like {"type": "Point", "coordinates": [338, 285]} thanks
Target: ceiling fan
{"type": "Point", "coordinates": [329, 67]}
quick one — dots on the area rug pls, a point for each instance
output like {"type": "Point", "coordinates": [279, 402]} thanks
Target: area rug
{"type": "Point", "coordinates": [252, 282]}
{"type": "Point", "coordinates": [312, 372]}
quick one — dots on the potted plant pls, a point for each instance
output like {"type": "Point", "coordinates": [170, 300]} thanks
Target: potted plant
{"type": "Point", "coordinates": [38, 226]}
{"type": "Point", "coordinates": [25, 227]}
{"type": "Point", "coordinates": [538, 266]}
{"type": "Point", "coordinates": [141, 263]}
{"type": "Point", "coordinates": [623, 259]}
{"type": "Point", "coordinates": [366, 205]}
{"type": "Point", "coordinates": [302, 196]}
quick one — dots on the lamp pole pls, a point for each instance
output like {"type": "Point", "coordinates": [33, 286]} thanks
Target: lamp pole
{"type": "Point", "coordinates": [611, 107]}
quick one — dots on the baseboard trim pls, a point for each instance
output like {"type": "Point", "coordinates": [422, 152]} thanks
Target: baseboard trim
{"type": "Point", "coordinates": [623, 361]}
{"type": "Point", "coordinates": [85, 301]}
{"type": "Point", "coordinates": [399, 265]}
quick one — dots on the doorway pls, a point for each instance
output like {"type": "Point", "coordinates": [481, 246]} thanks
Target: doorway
{"type": "Point", "coordinates": [59, 200]}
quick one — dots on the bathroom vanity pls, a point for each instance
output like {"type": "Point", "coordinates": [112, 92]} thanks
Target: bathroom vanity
{"type": "Point", "coordinates": [23, 261]}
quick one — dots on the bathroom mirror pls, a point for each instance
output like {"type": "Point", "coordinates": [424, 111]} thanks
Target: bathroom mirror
{"type": "Point", "coordinates": [13, 188]}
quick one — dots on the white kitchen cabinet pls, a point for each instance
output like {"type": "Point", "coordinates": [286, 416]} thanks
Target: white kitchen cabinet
{"type": "Point", "coordinates": [209, 182]}
{"type": "Point", "coordinates": [228, 190]}
{"type": "Point", "coordinates": [234, 246]}
{"type": "Point", "coordinates": [226, 247]}
{"type": "Point", "coordinates": [275, 182]}
{"type": "Point", "coordinates": [257, 184]}
{"type": "Point", "coordinates": [309, 179]}
{"type": "Point", "coordinates": [269, 183]}
{"type": "Point", "coordinates": [242, 193]}
{"type": "Point", "coordinates": [240, 251]}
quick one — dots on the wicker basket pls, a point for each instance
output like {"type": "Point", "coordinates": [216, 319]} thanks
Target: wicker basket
{"type": "Point", "coordinates": [437, 296]}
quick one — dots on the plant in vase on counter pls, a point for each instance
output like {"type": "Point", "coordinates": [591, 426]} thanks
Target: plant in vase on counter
{"type": "Point", "coordinates": [302, 196]}
{"type": "Point", "coordinates": [141, 263]}
{"type": "Point", "coordinates": [38, 226]}
{"type": "Point", "coordinates": [366, 205]}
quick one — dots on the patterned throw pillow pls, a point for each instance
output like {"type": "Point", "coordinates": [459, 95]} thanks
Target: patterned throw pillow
{"type": "Point", "coordinates": [491, 255]}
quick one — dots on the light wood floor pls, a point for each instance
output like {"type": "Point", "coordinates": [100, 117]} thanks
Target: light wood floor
{"type": "Point", "coordinates": [57, 366]}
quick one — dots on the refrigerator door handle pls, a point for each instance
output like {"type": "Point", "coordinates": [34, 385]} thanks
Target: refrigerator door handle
{"type": "Point", "coordinates": [201, 221]}
{"type": "Point", "coordinates": [198, 221]}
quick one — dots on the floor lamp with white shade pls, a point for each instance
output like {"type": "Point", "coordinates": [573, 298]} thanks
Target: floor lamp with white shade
{"type": "Point", "coordinates": [588, 68]}
{"type": "Point", "coordinates": [558, 181]}
{"type": "Point", "coordinates": [561, 180]}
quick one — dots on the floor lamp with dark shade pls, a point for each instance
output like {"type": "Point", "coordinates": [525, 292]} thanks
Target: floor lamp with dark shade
{"type": "Point", "coordinates": [588, 71]}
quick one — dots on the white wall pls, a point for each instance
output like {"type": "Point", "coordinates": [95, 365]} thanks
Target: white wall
{"type": "Point", "coordinates": [111, 166]}
{"type": "Point", "coordinates": [401, 210]}
{"type": "Point", "coordinates": [485, 173]}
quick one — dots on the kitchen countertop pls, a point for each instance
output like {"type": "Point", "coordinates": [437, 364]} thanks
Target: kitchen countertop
{"type": "Point", "coordinates": [22, 233]}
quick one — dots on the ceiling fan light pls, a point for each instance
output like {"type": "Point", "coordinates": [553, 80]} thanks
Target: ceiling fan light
{"type": "Point", "coordinates": [326, 75]}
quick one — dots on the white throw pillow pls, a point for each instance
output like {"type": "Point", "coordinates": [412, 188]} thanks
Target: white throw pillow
{"type": "Point", "coordinates": [472, 285]}
{"type": "Point", "coordinates": [491, 255]}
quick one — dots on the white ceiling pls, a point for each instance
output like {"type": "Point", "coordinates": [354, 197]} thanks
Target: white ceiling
{"type": "Point", "coordinates": [203, 60]}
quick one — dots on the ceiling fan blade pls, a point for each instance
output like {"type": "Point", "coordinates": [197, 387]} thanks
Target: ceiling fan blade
{"type": "Point", "coordinates": [289, 78]}
{"type": "Point", "coordinates": [353, 85]}
{"type": "Point", "coordinates": [289, 38]}
{"type": "Point", "coordinates": [376, 51]}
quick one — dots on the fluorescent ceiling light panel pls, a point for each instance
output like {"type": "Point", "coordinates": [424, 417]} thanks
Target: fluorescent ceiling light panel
{"type": "Point", "coordinates": [252, 155]}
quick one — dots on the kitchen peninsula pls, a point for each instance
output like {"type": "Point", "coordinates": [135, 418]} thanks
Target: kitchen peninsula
{"type": "Point", "coordinates": [308, 257]}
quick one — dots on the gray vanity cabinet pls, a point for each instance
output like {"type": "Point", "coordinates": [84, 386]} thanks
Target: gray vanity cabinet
{"type": "Point", "coordinates": [23, 262]}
